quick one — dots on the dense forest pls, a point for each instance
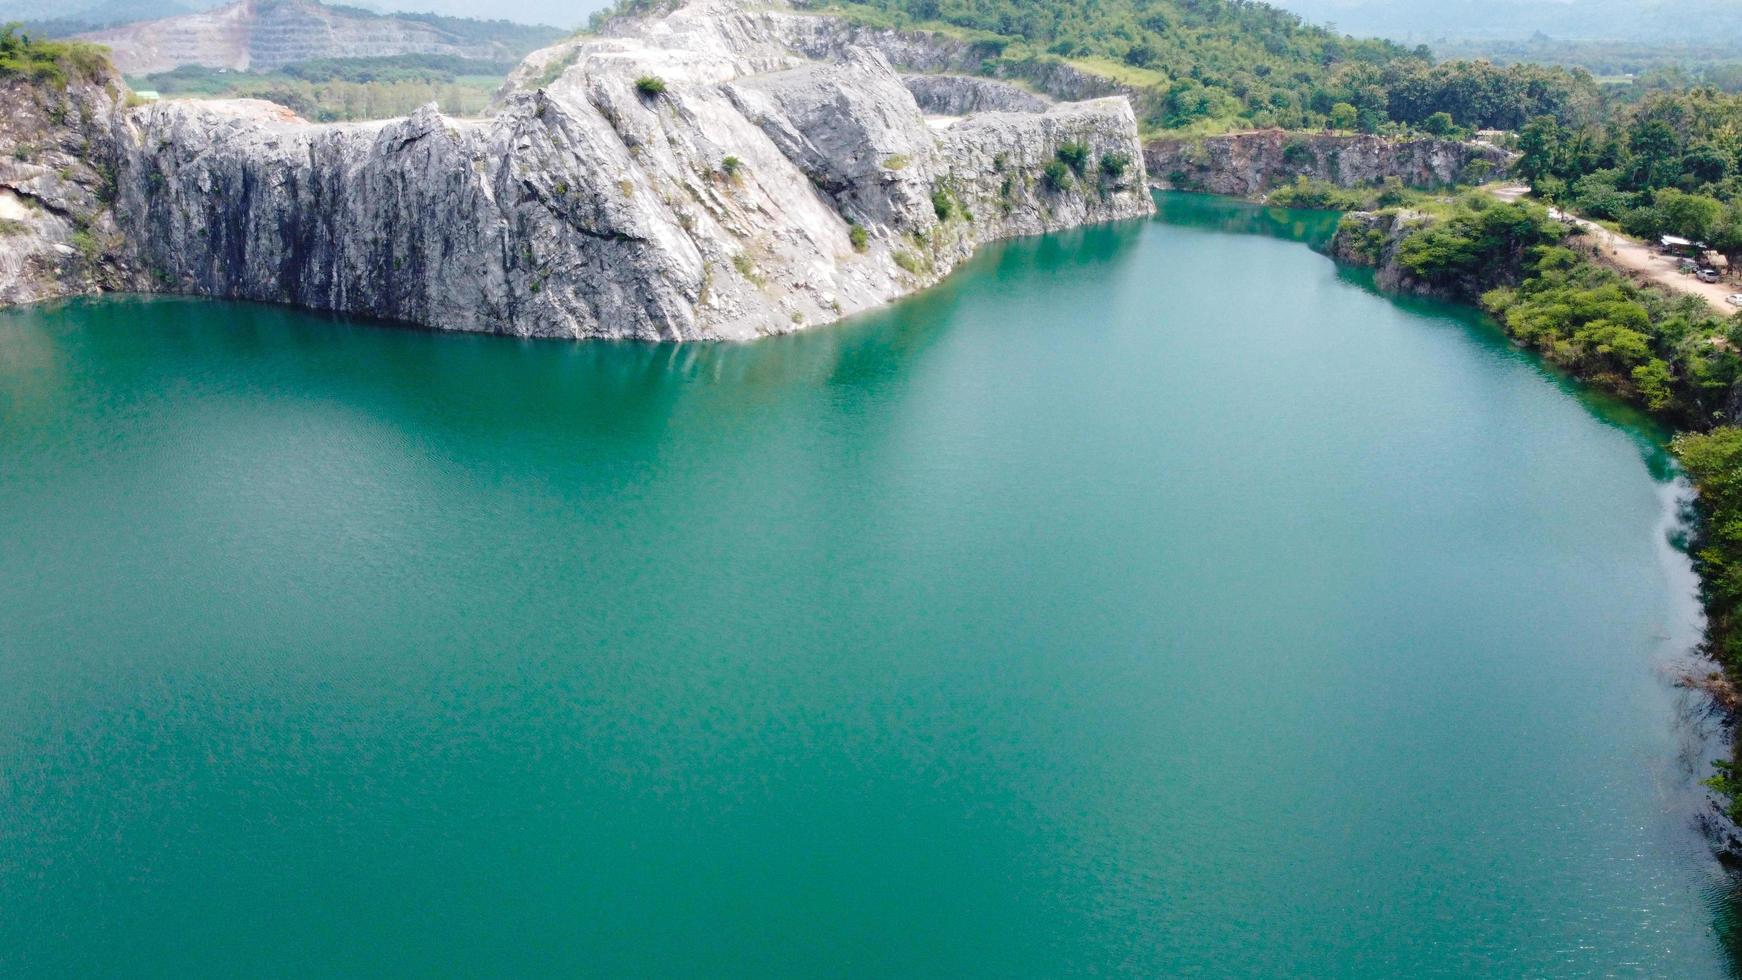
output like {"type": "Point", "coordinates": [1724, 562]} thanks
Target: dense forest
{"type": "Point", "coordinates": [1670, 163]}
{"type": "Point", "coordinates": [1208, 65]}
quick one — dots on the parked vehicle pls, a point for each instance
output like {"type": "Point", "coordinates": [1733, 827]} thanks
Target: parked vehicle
{"type": "Point", "coordinates": [1708, 275]}
{"type": "Point", "coordinates": [1734, 299]}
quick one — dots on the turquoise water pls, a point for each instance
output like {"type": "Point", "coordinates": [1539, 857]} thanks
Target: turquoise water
{"type": "Point", "coordinates": [1153, 599]}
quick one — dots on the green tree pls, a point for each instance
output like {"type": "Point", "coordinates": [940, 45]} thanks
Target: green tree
{"type": "Point", "coordinates": [1689, 215]}
{"type": "Point", "coordinates": [1540, 150]}
{"type": "Point", "coordinates": [1439, 124]}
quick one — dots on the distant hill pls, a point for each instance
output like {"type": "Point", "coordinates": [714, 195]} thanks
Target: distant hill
{"type": "Point", "coordinates": [60, 18]}
{"type": "Point", "coordinates": [1638, 21]}
{"type": "Point", "coordinates": [263, 35]}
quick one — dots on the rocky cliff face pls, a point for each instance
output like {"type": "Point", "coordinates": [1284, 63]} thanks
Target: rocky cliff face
{"type": "Point", "coordinates": [825, 37]}
{"type": "Point", "coordinates": [1371, 240]}
{"type": "Point", "coordinates": [748, 191]}
{"type": "Point", "coordinates": [961, 95]}
{"type": "Point", "coordinates": [58, 235]}
{"type": "Point", "coordinates": [1249, 164]}
{"type": "Point", "coordinates": [262, 35]}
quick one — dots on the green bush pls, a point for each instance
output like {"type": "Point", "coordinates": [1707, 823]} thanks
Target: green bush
{"type": "Point", "coordinates": [650, 85]}
{"type": "Point", "coordinates": [1075, 156]}
{"type": "Point", "coordinates": [1316, 195]}
{"type": "Point", "coordinates": [860, 238]}
{"type": "Point", "coordinates": [56, 62]}
{"type": "Point", "coordinates": [1056, 176]}
{"type": "Point", "coordinates": [1482, 245]}
{"type": "Point", "coordinates": [943, 204]}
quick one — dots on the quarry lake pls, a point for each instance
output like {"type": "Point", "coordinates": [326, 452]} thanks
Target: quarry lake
{"type": "Point", "coordinates": [1151, 599]}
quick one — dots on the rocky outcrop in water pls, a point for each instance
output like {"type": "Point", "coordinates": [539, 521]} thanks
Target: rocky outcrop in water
{"type": "Point", "coordinates": [263, 35]}
{"type": "Point", "coordinates": [685, 177]}
{"type": "Point", "coordinates": [1250, 164]}
{"type": "Point", "coordinates": [58, 234]}
{"type": "Point", "coordinates": [1371, 239]}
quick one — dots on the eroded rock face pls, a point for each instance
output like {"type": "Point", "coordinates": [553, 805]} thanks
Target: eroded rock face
{"type": "Point", "coordinates": [753, 191]}
{"type": "Point", "coordinates": [58, 235]}
{"type": "Point", "coordinates": [1249, 164]}
{"type": "Point", "coordinates": [961, 95]}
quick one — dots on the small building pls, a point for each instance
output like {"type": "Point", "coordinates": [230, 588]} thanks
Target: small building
{"type": "Point", "coordinates": [146, 95]}
{"type": "Point", "coordinates": [1676, 245]}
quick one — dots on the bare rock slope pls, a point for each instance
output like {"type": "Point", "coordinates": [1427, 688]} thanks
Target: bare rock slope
{"type": "Point", "coordinates": [687, 176]}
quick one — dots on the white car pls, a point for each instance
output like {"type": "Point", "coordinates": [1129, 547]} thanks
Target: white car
{"type": "Point", "coordinates": [1734, 299]}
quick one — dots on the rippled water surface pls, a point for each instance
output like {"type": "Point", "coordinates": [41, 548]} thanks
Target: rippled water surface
{"type": "Point", "coordinates": [1150, 599]}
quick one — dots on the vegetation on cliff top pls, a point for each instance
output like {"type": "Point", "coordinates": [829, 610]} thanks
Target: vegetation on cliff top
{"type": "Point", "coordinates": [1672, 355]}
{"type": "Point", "coordinates": [1206, 65]}
{"type": "Point", "coordinates": [56, 62]}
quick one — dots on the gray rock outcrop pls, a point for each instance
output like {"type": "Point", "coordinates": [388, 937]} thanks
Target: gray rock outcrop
{"type": "Point", "coordinates": [58, 234]}
{"type": "Point", "coordinates": [688, 176]}
{"type": "Point", "coordinates": [1250, 164]}
{"type": "Point", "coordinates": [962, 95]}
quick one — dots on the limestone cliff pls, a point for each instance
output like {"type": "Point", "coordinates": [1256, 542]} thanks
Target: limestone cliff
{"type": "Point", "coordinates": [58, 234]}
{"type": "Point", "coordinates": [1249, 164]}
{"type": "Point", "coordinates": [687, 176]}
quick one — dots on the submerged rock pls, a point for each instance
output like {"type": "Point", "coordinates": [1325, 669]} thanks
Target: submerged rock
{"type": "Point", "coordinates": [688, 176]}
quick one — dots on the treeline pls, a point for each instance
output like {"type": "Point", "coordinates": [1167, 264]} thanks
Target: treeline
{"type": "Point", "coordinates": [1644, 61]}
{"type": "Point", "coordinates": [55, 62]}
{"type": "Point", "coordinates": [347, 89]}
{"type": "Point", "coordinates": [1671, 163]}
{"type": "Point", "coordinates": [1218, 64]}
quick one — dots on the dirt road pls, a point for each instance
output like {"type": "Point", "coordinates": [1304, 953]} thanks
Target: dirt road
{"type": "Point", "coordinates": [1637, 260]}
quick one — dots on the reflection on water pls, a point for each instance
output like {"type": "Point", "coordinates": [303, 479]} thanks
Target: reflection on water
{"type": "Point", "coordinates": [1231, 215]}
{"type": "Point", "coordinates": [1144, 599]}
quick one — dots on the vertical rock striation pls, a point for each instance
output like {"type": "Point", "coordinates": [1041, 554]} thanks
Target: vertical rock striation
{"type": "Point", "coordinates": [688, 176]}
{"type": "Point", "coordinates": [1249, 164]}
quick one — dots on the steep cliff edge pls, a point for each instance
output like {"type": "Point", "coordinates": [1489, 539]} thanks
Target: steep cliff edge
{"type": "Point", "coordinates": [1371, 240]}
{"type": "Point", "coordinates": [688, 176]}
{"type": "Point", "coordinates": [1250, 164]}
{"type": "Point", "coordinates": [58, 234]}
